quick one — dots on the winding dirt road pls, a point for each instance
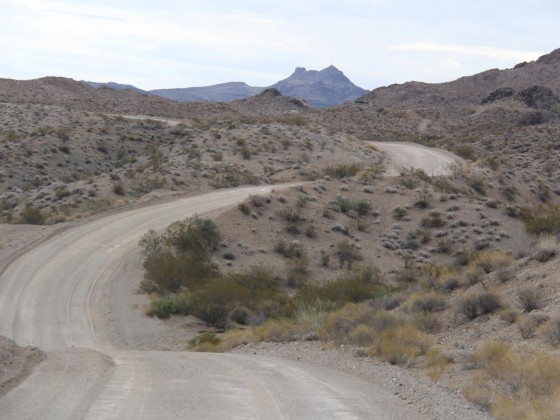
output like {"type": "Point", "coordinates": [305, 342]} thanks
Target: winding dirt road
{"type": "Point", "coordinates": [406, 155]}
{"type": "Point", "coordinates": [52, 297]}
{"type": "Point", "coordinates": [55, 297]}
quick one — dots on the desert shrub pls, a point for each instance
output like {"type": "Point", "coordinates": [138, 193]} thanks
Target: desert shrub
{"type": "Point", "coordinates": [204, 339]}
{"type": "Point", "coordinates": [355, 287]}
{"type": "Point", "coordinates": [164, 306]}
{"type": "Point", "coordinates": [425, 302]}
{"type": "Point", "coordinates": [424, 200]}
{"type": "Point", "coordinates": [436, 362]}
{"type": "Point", "coordinates": [348, 207]}
{"type": "Point", "coordinates": [527, 326]}
{"type": "Point", "coordinates": [530, 298]}
{"type": "Point", "coordinates": [488, 302]}
{"type": "Point", "coordinates": [476, 182]}
{"type": "Point", "coordinates": [288, 250]}
{"type": "Point", "coordinates": [399, 212]}
{"type": "Point", "coordinates": [179, 257]}
{"type": "Point", "coordinates": [475, 304]}
{"type": "Point", "coordinates": [508, 315]}
{"type": "Point", "coordinates": [244, 208]}
{"type": "Point", "coordinates": [310, 231]}
{"type": "Point", "coordinates": [551, 332]}
{"type": "Point", "coordinates": [343, 170]}
{"type": "Point", "coordinates": [118, 188]}
{"type": "Point", "coordinates": [448, 282]}
{"type": "Point", "coordinates": [547, 247]}
{"type": "Point", "coordinates": [466, 151]}
{"type": "Point", "coordinates": [290, 214]}
{"type": "Point", "coordinates": [400, 345]}
{"type": "Point", "coordinates": [427, 322]}
{"type": "Point", "coordinates": [256, 290]}
{"type": "Point", "coordinates": [464, 256]}
{"type": "Point", "coordinates": [325, 258]}
{"type": "Point", "coordinates": [32, 216]}
{"type": "Point", "coordinates": [444, 185]}
{"type": "Point", "coordinates": [434, 219]}
{"type": "Point", "coordinates": [468, 307]}
{"type": "Point", "coordinates": [491, 261]}
{"type": "Point", "coordinates": [166, 272]}
{"type": "Point", "coordinates": [362, 335]}
{"type": "Point", "coordinates": [347, 254]}
{"type": "Point", "coordinates": [542, 219]}
{"type": "Point", "coordinates": [515, 384]}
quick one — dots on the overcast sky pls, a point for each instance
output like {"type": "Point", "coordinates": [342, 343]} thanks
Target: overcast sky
{"type": "Point", "coordinates": [172, 43]}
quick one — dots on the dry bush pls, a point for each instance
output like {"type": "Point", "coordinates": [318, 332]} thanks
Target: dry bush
{"type": "Point", "coordinates": [530, 298]}
{"type": "Point", "coordinates": [491, 261]}
{"type": "Point", "coordinates": [551, 332]}
{"type": "Point", "coordinates": [547, 247]}
{"type": "Point", "coordinates": [436, 363]}
{"type": "Point", "coordinates": [542, 219]}
{"type": "Point", "coordinates": [527, 326]}
{"type": "Point", "coordinates": [400, 345]}
{"type": "Point", "coordinates": [362, 335]}
{"type": "Point", "coordinates": [473, 305]}
{"type": "Point", "coordinates": [343, 170]}
{"type": "Point", "coordinates": [508, 315]}
{"type": "Point", "coordinates": [515, 385]}
{"type": "Point", "coordinates": [425, 302]}
{"type": "Point", "coordinates": [433, 220]}
{"type": "Point", "coordinates": [427, 322]}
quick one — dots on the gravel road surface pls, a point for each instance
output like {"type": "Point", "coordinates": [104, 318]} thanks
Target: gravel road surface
{"type": "Point", "coordinates": [54, 297]}
{"type": "Point", "coordinates": [105, 360]}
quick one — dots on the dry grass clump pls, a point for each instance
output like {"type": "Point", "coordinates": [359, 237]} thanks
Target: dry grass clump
{"type": "Point", "coordinates": [492, 261]}
{"type": "Point", "coordinates": [436, 363]}
{"type": "Point", "coordinates": [515, 385]}
{"type": "Point", "coordinates": [542, 219]}
{"type": "Point", "coordinates": [547, 247]}
{"type": "Point", "coordinates": [527, 326]}
{"type": "Point", "coordinates": [400, 345]}
{"type": "Point", "coordinates": [551, 332]}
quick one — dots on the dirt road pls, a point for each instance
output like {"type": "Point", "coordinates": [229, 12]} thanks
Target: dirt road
{"type": "Point", "coordinates": [55, 297]}
{"type": "Point", "coordinates": [406, 155]}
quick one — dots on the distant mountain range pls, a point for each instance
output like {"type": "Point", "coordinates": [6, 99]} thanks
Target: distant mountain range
{"type": "Point", "coordinates": [319, 89]}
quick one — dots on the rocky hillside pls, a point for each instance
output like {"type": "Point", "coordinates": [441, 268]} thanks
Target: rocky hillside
{"type": "Point", "coordinates": [474, 90]}
{"type": "Point", "coordinates": [223, 92]}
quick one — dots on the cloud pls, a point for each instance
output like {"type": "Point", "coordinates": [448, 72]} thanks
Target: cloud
{"type": "Point", "coordinates": [474, 50]}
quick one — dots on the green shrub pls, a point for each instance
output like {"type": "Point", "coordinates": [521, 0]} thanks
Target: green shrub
{"type": "Point", "coordinates": [118, 188]}
{"type": "Point", "coordinates": [32, 216]}
{"type": "Point", "coordinates": [399, 212]}
{"type": "Point", "coordinates": [347, 254]}
{"type": "Point", "coordinates": [466, 152]}
{"type": "Point", "coordinates": [343, 170]}
{"type": "Point", "coordinates": [164, 306]}
{"type": "Point", "coordinates": [356, 287]}
{"type": "Point", "coordinates": [433, 220]}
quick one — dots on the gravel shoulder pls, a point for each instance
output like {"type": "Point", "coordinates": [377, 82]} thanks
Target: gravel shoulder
{"type": "Point", "coordinates": [426, 398]}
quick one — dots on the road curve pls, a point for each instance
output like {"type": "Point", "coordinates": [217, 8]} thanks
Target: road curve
{"type": "Point", "coordinates": [51, 298]}
{"type": "Point", "coordinates": [405, 155]}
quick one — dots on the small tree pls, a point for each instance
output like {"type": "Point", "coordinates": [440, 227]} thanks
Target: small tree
{"type": "Point", "coordinates": [347, 254]}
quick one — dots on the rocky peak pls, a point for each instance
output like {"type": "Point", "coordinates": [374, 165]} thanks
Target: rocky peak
{"type": "Point", "coordinates": [551, 58]}
{"type": "Point", "coordinates": [270, 92]}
